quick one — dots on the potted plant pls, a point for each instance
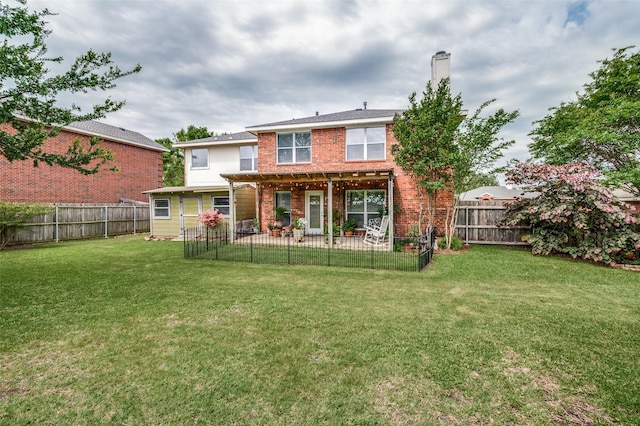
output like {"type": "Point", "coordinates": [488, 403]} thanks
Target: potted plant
{"type": "Point", "coordinates": [256, 225]}
{"type": "Point", "coordinates": [299, 226]}
{"type": "Point", "coordinates": [336, 232]}
{"type": "Point", "coordinates": [280, 212]}
{"type": "Point", "coordinates": [349, 226]}
{"type": "Point", "coordinates": [275, 228]}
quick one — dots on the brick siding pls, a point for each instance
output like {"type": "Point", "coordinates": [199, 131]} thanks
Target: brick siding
{"type": "Point", "coordinates": [328, 153]}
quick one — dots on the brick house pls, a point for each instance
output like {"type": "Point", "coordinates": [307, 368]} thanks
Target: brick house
{"type": "Point", "coordinates": [139, 160]}
{"type": "Point", "coordinates": [333, 167]}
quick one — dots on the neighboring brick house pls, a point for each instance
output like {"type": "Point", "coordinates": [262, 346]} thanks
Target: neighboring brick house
{"type": "Point", "coordinates": [138, 158]}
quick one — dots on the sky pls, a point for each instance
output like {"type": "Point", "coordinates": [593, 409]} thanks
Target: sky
{"type": "Point", "coordinates": [229, 64]}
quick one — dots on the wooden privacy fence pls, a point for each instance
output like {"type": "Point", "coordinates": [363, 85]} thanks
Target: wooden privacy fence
{"type": "Point", "coordinates": [476, 223]}
{"type": "Point", "coordinates": [81, 221]}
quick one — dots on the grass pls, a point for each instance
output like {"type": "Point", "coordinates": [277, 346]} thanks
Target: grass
{"type": "Point", "coordinates": [129, 332]}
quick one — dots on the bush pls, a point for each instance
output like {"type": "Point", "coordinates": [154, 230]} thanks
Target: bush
{"type": "Point", "coordinates": [572, 214]}
{"type": "Point", "coordinates": [456, 243]}
{"type": "Point", "coordinates": [209, 218]}
{"type": "Point", "coordinates": [14, 215]}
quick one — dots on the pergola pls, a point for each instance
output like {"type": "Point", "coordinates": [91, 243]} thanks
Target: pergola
{"type": "Point", "coordinates": [328, 177]}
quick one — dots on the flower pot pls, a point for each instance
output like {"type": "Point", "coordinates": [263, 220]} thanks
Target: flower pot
{"type": "Point", "coordinates": [276, 232]}
{"type": "Point", "coordinates": [298, 234]}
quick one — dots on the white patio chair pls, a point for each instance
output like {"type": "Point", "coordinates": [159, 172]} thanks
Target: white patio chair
{"type": "Point", "coordinates": [376, 230]}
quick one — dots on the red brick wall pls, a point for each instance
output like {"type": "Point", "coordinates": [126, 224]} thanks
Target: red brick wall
{"type": "Point", "coordinates": [140, 170]}
{"type": "Point", "coordinates": [328, 154]}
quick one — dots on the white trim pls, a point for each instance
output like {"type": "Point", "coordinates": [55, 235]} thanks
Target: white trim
{"type": "Point", "coordinates": [321, 125]}
{"type": "Point", "coordinates": [216, 143]}
{"type": "Point", "coordinates": [168, 208]}
{"type": "Point", "coordinates": [307, 215]}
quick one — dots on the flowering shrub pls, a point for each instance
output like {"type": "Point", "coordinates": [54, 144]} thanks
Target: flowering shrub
{"type": "Point", "coordinates": [572, 214]}
{"type": "Point", "coordinates": [209, 218]}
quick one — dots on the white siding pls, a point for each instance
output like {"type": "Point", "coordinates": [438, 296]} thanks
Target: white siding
{"type": "Point", "coordinates": [222, 159]}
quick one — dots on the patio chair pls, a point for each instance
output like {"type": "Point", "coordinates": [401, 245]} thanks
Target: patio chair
{"type": "Point", "coordinates": [376, 231]}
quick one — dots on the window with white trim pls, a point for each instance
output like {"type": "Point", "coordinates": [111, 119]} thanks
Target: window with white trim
{"type": "Point", "coordinates": [199, 158]}
{"type": "Point", "coordinates": [221, 204]}
{"type": "Point", "coordinates": [249, 158]}
{"type": "Point", "coordinates": [294, 147]}
{"type": "Point", "coordinates": [283, 199]}
{"type": "Point", "coordinates": [362, 205]}
{"type": "Point", "coordinates": [162, 208]}
{"type": "Point", "coordinates": [368, 143]}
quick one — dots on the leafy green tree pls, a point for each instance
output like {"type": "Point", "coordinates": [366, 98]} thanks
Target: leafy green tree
{"type": "Point", "coordinates": [173, 161]}
{"type": "Point", "coordinates": [479, 148]}
{"type": "Point", "coordinates": [15, 215]}
{"type": "Point", "coordinates": [442, 149]}
{"type": "Point", "coordinates": [601, 127]}
{"type": "Point", "coordinates": [29, 93]}
{"type": "Point", "coordinates": [572, 213]}
{"type": "Point", "coordinates": [425, 147]}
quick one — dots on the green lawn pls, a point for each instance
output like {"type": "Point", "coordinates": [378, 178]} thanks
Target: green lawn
{"type": "Point", "coordinates": [126, 331]}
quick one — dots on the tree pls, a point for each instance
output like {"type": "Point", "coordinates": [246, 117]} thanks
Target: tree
{"type": "Point", "coordinates": [444, 150]}
{"type": "Point", "coordinates": [15, 215]}
{"type": "Point", "coordinates": [601, 127]}
{"type": "Point", "coordinates": [29, 93]}
{"type": "Point", "coordinates": [173, 161]}
{"type": "Point", "coordinates": [479, 148]}
{"type": "Point", "coordinates": [571, 213]}
{"type": "Point", "coordinates": [425, 146]}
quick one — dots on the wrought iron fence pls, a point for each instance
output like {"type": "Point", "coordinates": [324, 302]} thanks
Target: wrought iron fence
{"type": "Point", "coordinates": [404, 254]}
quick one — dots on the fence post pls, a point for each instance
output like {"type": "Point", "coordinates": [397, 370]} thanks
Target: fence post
{"type": "Point", "coordinates": [106, 221]}
{"type": "Point", "coordinates": [134, 220]}
{"type": "Point", "coordinates": [466, 225]}
{"type": "Point", "coordinates": [57, 227]}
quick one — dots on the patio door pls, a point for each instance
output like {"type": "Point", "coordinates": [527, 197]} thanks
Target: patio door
{"type": "Point", "coordinates": [314, 211]}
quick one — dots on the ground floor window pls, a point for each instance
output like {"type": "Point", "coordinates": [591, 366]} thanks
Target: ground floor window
{"type": "Point", "coordinates": [221, 204]}
{"type": "Point", "coordinates": [161, 208]}
{"type": "Point", "coordinates": [283, 199]}
{"type": "Point", "coordinates": [362, 205]}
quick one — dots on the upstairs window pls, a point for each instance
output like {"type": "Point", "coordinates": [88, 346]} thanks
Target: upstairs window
{"type": "Point", "coordinates": [249, 158]}
{"type": "Point", "coordinates": [367, 143]}
{"type": "Point", "coordinates": [294, 147]}
{"type": "Point", "coordinates": [199, 158]}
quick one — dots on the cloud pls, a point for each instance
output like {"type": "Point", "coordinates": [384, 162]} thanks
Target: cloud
{"type": "Point", "coordinates": [230, 64]}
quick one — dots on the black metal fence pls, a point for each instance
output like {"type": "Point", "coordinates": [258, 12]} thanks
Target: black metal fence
{"type": "Point", "coordinates": [405, 253]}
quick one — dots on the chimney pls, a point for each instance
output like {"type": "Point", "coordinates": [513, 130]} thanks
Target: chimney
{"type": "Point", "coordinates": [440, 68]}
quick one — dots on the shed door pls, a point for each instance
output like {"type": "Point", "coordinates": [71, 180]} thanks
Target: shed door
{"type": "Point", "coordinates": [190, 208]}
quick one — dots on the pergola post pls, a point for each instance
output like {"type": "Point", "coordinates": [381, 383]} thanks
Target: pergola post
{"type": "Point", "coordinates": [391, 221]}
{"type": "Point", "coordinates": [232, 213]}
